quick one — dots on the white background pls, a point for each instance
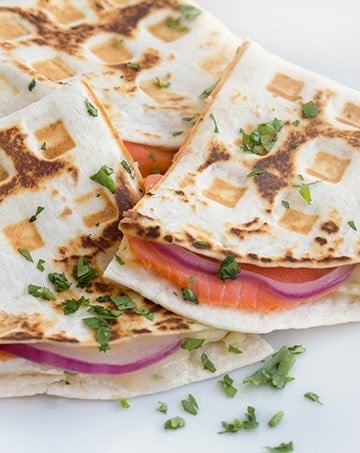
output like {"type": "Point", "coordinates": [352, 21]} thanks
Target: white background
{"type": "Point", "coordinates": [322, 35]}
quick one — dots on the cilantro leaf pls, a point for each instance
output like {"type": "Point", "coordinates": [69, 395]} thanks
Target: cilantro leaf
{"type": "Point", "coordinates": [304, 189]}
{"type": "Point", "coordinates": [91, 109]}
{"type": "Point", "coordinates": [296, 349]}
{"type": "Point", "coordinates": [119, 260]}
{"type": "Point", "coordinates": [190, 344]}
{"type": "Point", "coordinates": [189, 12]}
{"type": "Point", "coordinates": [283, 447]}
{"type": "Point", "coordinates": [40, 292]}
{"type": "Point", "coordinates": [176, 24]}
{"type": "Point", "coordinates": [26, 254]}
{"type": "Point", "coordinates": [103, 177]}
{"type": "Point", "coordinates": [124, 404]}
{"type": "Point", "coordinates": [206, 93]}
{"type": "Point", "coordinates": [59, 280]}
{"type": "Point", "coordinates": [123, 302]}
{"type": "Point", "coordinates": [190, 405]}
{"type": "Point", "coordinates": [134, 66]}
{"type": "Point", "coordinates": [177, 133]}
{"type": "Point", "coordinates": [163, 408]}
{"type": "Point", "coordinates": [102, 331]}
{"type": "Point", "coordinates": [286, 204]}
{"type": "Point", "coordinates": [216, 129]}
{"type": "Point", "coordinates": [40, 265]}
{"type": "Point", "coordinates": [174, 423]}
{"type": "Point", "coordinates": [352, 225]}
{"type": "Point", "coordinates": [128, 169]}
{"type": "Point", "coordinates": [188, 294]}
{"type": "Point", "coordinates": [261, 140]}
{"type": "Point", "coordinates": [313, 397]}
{"type": "Point", "coordinates": [229, 268]}
{"type": "Point", "coordinates": [227, 385]}
{"type": "Point", "coordinates": [256, 171]}
{"type": "Point", "coordinates": [276, 419]}
{"type": "Point", "coordinates": [249, 422]}
{"type": "Point", "coordinates": [31, 85]}
{"type": "Point", "coordinates": [309, 109]}
{"type": "Point", "coordinates": [233, 348]}
{"type": "Point", "coordinates": [34, 217]}
{"type": "Point", "coordinates": [72, 305]}
{"type": "Point", "coordinates": [83, 272]}
{"type": "Point", "coordinates": [161, 83]}
{"type": "Point", "coordinates": [143, 311]}
{"type": "Point", "coordinates": [207, 363]}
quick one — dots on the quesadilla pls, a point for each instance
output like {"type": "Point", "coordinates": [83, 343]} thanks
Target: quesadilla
{"type": "Point", "coordinates": [254, 227]}
{"type": "Point", "coordinates": [65, 180]}
{"type": "Point", "coordinates": [152, 63]}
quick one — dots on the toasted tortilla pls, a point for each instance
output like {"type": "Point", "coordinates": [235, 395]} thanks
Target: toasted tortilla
{"type": "Point", "coordinates": [123, 47]}
{"type": "Point", "coordinates": [48, 152]}
{"type": "Point", "coordinates": [211, 194]}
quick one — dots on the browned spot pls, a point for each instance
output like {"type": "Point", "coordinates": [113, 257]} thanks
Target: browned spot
{"type": "Point", "coordinates": [3, 173]}
{"type": "Point", "coordinates": [180, 193]}
{"type": "Point", "coordinates": [224, 193]}
{"type": "Point", "coordinates": [320, 240]}
{"type": "Point", "coordinates": [298, 221]}
{"type": "Point", "coordinates": [107, 213]}
{"type": "Point", "coordinates": [66, 212]}
{"type": "Point", "coordinates": [57, 138]}
{"type": "Point", "coordinates": [112, 51]}
{"type": "Point", "coordinates": [24, 235]}
{"type": "Point", "coordinates": [6, 356]}
{"type": "Point", "coordinates": [329, 167]}
{"type": "Point", "coordinates": [30, 171]}
{"type": "Point", "coordinates": [161, 95]}
{"type": "Point", "coordinates": [5, 84]}
{"type": "Point", "coordinates": [168, 238]}
{"type": "Point", "coordinates": [165, 33]}
{"type": "Point", "coordinates": [285, 86]}
{"type": "Point", "coordinates": [124, 195]}
{"type": "Point", "coordinates": [54, 69]}
{"type": "Point", "coordinates": [65, 13]}
{"type": "Point", "coordinates": [217, 153]}
{"type": "Point", "coordinates": [265, 260]}
{"type": "Point", "coordinates": [150, 58]}
{"type": "Point", "coordinates": [22, 327]}
{"type": "Point", "coordinates": [350, 115]}
{"type": "Point", "coordinates": [62, 337]}
{"type": "Point", "coordinates": [329, 227]}
{"type": "Point", "coordinates": [10, 28]}
{"type": "Point", "coordinates": [215, 64]}
{"type": "Point", "coordinates": [269, 185]}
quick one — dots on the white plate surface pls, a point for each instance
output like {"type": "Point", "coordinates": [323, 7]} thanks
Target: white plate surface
{"type": "Point", "coordinates": [322, 35]}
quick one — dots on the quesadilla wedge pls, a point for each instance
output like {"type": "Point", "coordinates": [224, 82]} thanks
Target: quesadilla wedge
{"type": "Point", "coordinates": [258, 217]}
{"type": "Point", "coordinates": [152, 63]}
{"type": "Point", "coordinates": [65, 180]}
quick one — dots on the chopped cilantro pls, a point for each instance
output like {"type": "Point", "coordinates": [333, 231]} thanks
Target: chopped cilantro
{"type": "Point", "coordinates": [276, 419]}
{"type": "Point", "coordinates": [124, 404]}
{"type": "Point", "coordinates": [60, 282]}
{"type": "Point", "coordinates": [40, 292]}
{"type": "Point", "coordinates": [190, 119]}
{"type": "Point", "coordinates": [256, 171]}
{"type": "Point", "coordinates": [143, 311]}
{"type": "Point", "coordinates": [227, 385]}
{"type": "Point", "coordinates": [261, 140]}
{"type": "Point", "coordinates": [189, 11]}
{"type": "Point", "coordinates": [190, 405]}
{"type": "Point", "coordinates": [176, 133]}
{"type": "Point", "coordinates": [152, 155]}
{"type": "Point", "coordinates": [161, 83]}
{"type": "Point", "coordinates": [26, 254]}
{"type": "Point", "coordinates": [34, 217]}
{"type": "Point", "coordinates": [188, 294]}
{"type": "Point", "coordinates": [40, 265]}
{"type": "Point", "coordinates": [206, 93]}
{"type": "Point", "coordinates": [43, 146]}
{"type": "Point", "coordinates": [31, 85]}
{"type": "Point", "coordinates": [313, 397]}
{"type": "Point", "coordinates": [91, 109]}
{"type": "Point", "coordinates": [352, 225]}
{"type": "Point", "coordinates": [163, 408]}
{"type": "Point", "coordinates": [123, 302]}
{"type": "Point", "coordinates": [72, 305]}
{"type": "Point", "coordinates": [176, 24]}
{"type": "Point", "coordinates": [229, 268]}
{"type": "Point", "coordinates": [156, 170]}
{"type": "Point", "coordinates": [119, 260]}
{"type": "Point", "coordinates": [274, 371]}
{"type": "Point", "coordinates": [216, 129]}
{"type": "Point", "coordinates": [201, 244]}
{"type": "Point", "coordinates": [296, 349]}
{"type": "Point", "coordinates": [233, 348]}
{"type": "Point", "coordinates": [83, 272]}
{"type": "Point", "coordinates": [296, 123]}
{"type": "Point", "coordinates": [207, 363]}
{"type": "Point", "coordinates": [104, 313]}
{"type": "Point", "coordinates": [102, 331]}
{"type": "Point", "coordinates": [249, 422]}
{"type": "Point", "coordinates": [103, 177]}
{"type": "Point", "coordinates": [190, 344]}
{"type": "Point", "coordinates": [174, 423]}
{"type": "Point", "coordinates": [304, 189]}
{"type": "Point", "coordinates": [309, 109]}
{"type": "Point", "coordinates": [286, 204]}
{"type": "Point", "coordinates": [128, 168]}
{"type": "Point", "coordinates": [283, 447]}
{"type": "Point", "coordinates": [134, 66]}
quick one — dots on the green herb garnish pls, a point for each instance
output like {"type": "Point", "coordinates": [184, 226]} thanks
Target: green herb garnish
{"type": "Point", "coordinates": [60, 282]}
{"type": "Point", "coordinates": [40, 265]}
{"type": "Point", "coordinates": [304, 189]}
{"type": "Point", "coordinates": [174, 423]}
{"type": "Point", "coordinates": [104, 313]}
{"type": "Point", "coordinates": [188, 294]}
{"type": "Point", "coordinates": [72, 305]}
{"type": "Point", "coordinates": [206, 93]}
{"type": "Point", "coordinates": [284, 448]}
{"type": "Point", "coordinates": [309, 109]}
{"type": "Point", "coordinates": [234, 349]}
{"type": "Point", "coordinates": [43, 146]}
{"type": "Point", "coordinates": [229, 268]}
{"type": "Point", "coordinates": [156, 170]}
{"type": "Point", "coordinates": [190, 405]}
{"type": "Point", "coordinates": [161, 83]}
{"type": "Point", "coordinates": [352, 225]}
{"type": "Point", "coordinates": [190, 344]}
{"type": "Point", "coordinates": [40, 292]}
{"type": "Point", "coordinates": [256, 171]}
{"type": "Point", "coordinates": [313, 397]}
{"type": "Point", "coordinates": [128, 169]}
{"type": "Point", "coordinates": [274, 371]}
{"type": "Point", "coordinates": [34, 217]}
{"type": "Point", "coordinates": [134, 66]}
{"type": "Point", "coordinates": [124, 404]}
{"type": "Point", "coordinates": [201, 244]}
{"type": "Point", "coordinates": [189, 11]}
{"type": "Point", "coordinates": [143, 311]}
{"type": "Point", "coordinates": [286, 204]}
{"type": "Point", "coordinates": [92, 110]}
{"type": "Point", "coordinates": [227, 385]}
{"type": "Point", "coordinates": [296, 349]}
{"type": "Point", "coordinates": [216, 129]}
{"type": "Point", "coordinates": [102, 331]}
{"type": "Point", "coordinates": [296, 123]}
{"type": "Point", "coordinates": [249, 422]}
{"type": "Point", "coordinates": [176, 24]}
{"type": "Point", "coordinates": [163, 408]}
{"type": "Point", "coordinates": [276, 419]}
{"type": "Point", "coordinates": [262, 139]}
{"type": "Point", "coordinates": [26, 254]}
{"type": "Point", "coordinates": [176, 133]}
{"type": "Point", "coordinates": [31, 85]}
{"type": "Point", "coordinates": [207, 363]}
{"type": "Point", "coordinates": [119, 260]}
{"type": "Point", "coordinates": [103, 177]}
{"type": "Point", "coordinates": [193, 279]}
{"type": "Point", "coordinates": [83, 272]}
{"type": "Point", "coordinates": [123, 302]}
{"type": "Point", "coordinates": [190, 119]}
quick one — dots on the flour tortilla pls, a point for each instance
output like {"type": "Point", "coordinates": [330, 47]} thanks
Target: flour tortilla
{"type": "Point", "coordinates": [48, 151]}
{"type": "Point", "coordinates": [68, 38]}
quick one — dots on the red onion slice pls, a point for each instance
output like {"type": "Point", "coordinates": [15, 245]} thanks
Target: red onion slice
{"type": "Point", "coordinates": [69, 357]}
{"type": "Point", "coordinates": [290, 290]}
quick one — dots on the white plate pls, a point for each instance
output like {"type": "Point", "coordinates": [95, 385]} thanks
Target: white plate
{"type": "Point", "coordinates": [324, 36]}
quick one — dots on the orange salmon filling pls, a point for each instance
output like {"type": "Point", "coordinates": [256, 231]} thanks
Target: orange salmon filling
{"type": "Point", "coordinates": [150, 159]}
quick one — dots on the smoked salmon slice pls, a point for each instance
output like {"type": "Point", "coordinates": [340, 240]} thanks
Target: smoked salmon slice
{"type": "Point", "coordinates": [209, 289]}
{"type": "Point", "coordinates": [150, 159]}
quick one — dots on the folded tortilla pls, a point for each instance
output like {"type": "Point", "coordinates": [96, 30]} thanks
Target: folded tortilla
{"type": "Point", "coordinates": [52, 215]}
{"type": "Point", "coordinates": [148, 61]}
{"type": "Point", "coordinates": [217, 199]}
